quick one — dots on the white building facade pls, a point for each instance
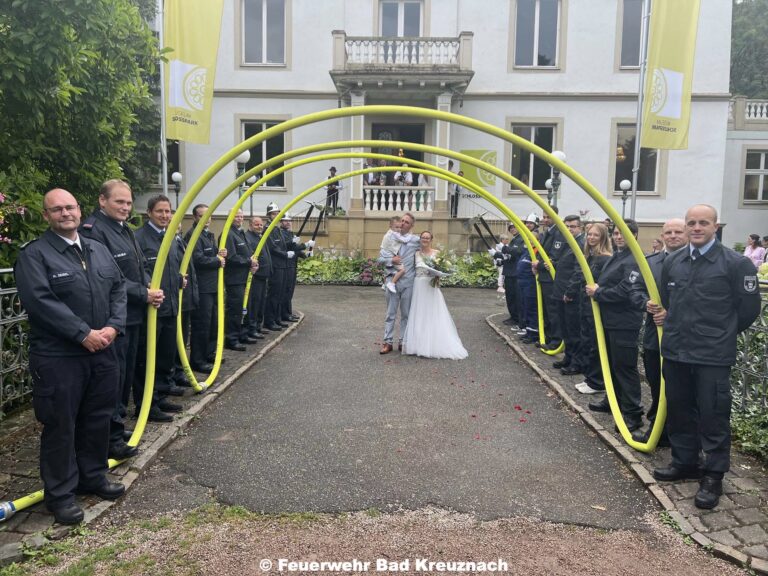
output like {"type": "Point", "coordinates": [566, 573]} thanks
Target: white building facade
{"type": "Point", "coordinates": [561, 72]}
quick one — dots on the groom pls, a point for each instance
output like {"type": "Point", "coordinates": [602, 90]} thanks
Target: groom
{"type": "Point", "coordinates": [402, 297]}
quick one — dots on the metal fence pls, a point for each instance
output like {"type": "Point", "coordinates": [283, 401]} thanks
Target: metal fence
{"type": "Point", "coordinates": [749, 377]}
{"type": "Point", "coordinates": [15, 379]}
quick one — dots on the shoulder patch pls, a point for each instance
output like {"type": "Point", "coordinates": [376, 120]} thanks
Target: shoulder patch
{"type": "Point", "coordinates": [633, 276]}
{"type": "Point", "coordinates": [750, 283]}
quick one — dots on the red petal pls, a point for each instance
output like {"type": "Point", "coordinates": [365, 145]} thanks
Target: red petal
{"type": "Point", "coordinates": [518, 407]}
{"type": "Point", "coordinates": [523, 420]}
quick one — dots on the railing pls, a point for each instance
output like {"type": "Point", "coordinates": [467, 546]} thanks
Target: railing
{"type": "Point", "coordinates": [749, 377]}
{"type": "Point", "coordinates": [746, 114]}
{"type": "Point", "coordinates": [398, 198]}
{"type": "Point", "coordinates": [411, 51]}
{"type": "Point", "coordinates": [361, 52]}
{"type": "Point", "coordinates": [15, 379]}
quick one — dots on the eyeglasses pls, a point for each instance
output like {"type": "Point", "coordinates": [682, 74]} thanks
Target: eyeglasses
{"type": "Point", "coordinates": [60, 209]}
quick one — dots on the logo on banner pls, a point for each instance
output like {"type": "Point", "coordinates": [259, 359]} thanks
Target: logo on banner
{"type": "Point", "coordinates": [187, 86]}
{"type": "Point", "coordinates": [667, 93]}
{"type": "Point", "coordinates": [476, 175]}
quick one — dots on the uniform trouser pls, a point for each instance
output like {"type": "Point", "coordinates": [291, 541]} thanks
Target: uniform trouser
{"type": "Point", "coordinates": [73, 398]}
{"type": "Point", "coordinates": [652, 367]}
{"type": "Point", "coordinates": [165, 353]}
{"type": "Point", "coordinates": [126, 349]}
{"type": "Point", "coordinates": [590, 354]}
{"type": "Point", "coordinates": [257, 303]}
{"type": "Point", "coordinates": [290, 287]}
{"type": "Point", "coordinates": [510, 293]}
{"type": "Point", "coordinates": [204, 329]}
{"type": "Point", "coordinates": [699, 415]}
{"type": "Point", "coordinates": [622, 356]}
{"type": "Point", "coordinates": [454, 204]}
{"type": "Point", "coordinates": [275, 290]}
{"type": "Point", "coordinates": [551, 324]}
{"type": "Point", "coordinates": [233, 313]}
{"type": "Point", "coordinates": [401, 299]}
{"type": "Point", "coordinates": [529, 309]}
{"type": "Point", "coordinates": [570, 329]}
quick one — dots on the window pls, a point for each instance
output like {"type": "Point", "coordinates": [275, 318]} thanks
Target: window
{"type": "Point", "coordinates": [400, 18]}
{"type": "Point", "coordinates": [625, 159]}
{"type": "Point", "coordinates": [756, 176]}
{"type": "Point", "coordinates": [631, 27]}
{"type": "Point", "coordinates": [536, 32]}
{"type": "Point", "coordinates": [263, 32]}
{"type": "Point", "coordinates": [526, 166]}
{"type": "Point", "coordinates": [266, 150]}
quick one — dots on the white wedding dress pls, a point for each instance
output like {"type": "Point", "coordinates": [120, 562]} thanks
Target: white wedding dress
{"type": "Point", "coordinates": [431, 332]}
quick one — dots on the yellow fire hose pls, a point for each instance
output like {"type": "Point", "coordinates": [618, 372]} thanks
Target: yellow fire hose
{"type": "Point", "coordinates": [7, 509]}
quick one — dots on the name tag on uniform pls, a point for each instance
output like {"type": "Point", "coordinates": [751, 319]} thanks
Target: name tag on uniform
{"type": "Point", "coordinates": [58, 275]}
{"type": "Point", "coordinates": [120, 255]}
{"type": "Point", "coordinates": [150, 258]}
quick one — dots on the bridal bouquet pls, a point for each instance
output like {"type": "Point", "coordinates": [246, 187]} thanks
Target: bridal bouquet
{"type": "Point", "coordinates": [442, 265]}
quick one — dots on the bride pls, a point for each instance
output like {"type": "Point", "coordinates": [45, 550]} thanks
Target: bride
{"type": "Point", "coordinates": [430, 332]}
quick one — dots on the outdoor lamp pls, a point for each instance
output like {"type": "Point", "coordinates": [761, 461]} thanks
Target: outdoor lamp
{"type": "Point", "coordinates": [625, 185]}
{"type": "Point", "coordinates": [177, 178]}
{"type": "Point", "coordinates": [241, 160]}
{"type": "Point", "coordinates": [560, 155]}
{"type": "Point", "coordinates": [548, 186]}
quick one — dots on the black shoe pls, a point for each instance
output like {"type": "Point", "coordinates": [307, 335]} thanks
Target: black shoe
{"type": "Point", "coordinates": [127, 435]}
{"type": "Point", "coordinates": [290, 319]}
{"type": "Point", "coordinates": [68, 514]}
{"type": "Point", "coordinates": [236, 347]}
{"type": "Point", "coordinates": [121, 451]}
{"type": "Point", "coordinates": [256, 335]}
{"type": "Point", "coordinates": [283, 324]}
{"type": "Point", "coordinates": [272, 328]}
{"type": "Point", "coordinates": [640, 436]}
{"type": "Point", "coordinates": [248, 340]}
{"type": "Point", "coordinates": [553, 345]}
{"type": "Point", "coordinates": [672, 473]}
{"type": "Point", "coordinates": [175, 390]}
{"type": "Point", "coordinates": [560, 364]}
{"type": "Point", "coordinates": [212, 359]}
{"type": "Point", "coordinates": [157, 415]}
{"type": "Point", "coordinates": [600, 406]}
{"type": "Point", "coordinates": [107, 491]}
{"type": "Point", "coordinates": [203, 368]}
{"type": "Point", "coordinates": [182, 382]}
{"type": "Point", "coordinates": [570, 371]}
{"type": "Point", "coordinates": [708, 496]}
{"type": "Point", "coordinates": [631, 426]}
{"type": "Point", "coordinates": [166, 406]}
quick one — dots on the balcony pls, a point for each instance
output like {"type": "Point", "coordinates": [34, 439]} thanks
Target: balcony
{"type": "Point", "coordinates": [746, 114]}
{"type": "Point", "coordinates": [402, 67]}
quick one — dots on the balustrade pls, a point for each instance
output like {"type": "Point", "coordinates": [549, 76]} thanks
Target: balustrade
{"type": "Point", "coordinates": [398, 198]}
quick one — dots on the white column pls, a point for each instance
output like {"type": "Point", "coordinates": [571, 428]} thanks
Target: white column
{"type": "Point", "coordinates": [357, 132]}
{"type": "Point", "coordinates": [443, 140]}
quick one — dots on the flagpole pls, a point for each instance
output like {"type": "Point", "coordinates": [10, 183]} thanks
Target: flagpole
{"type": "Point", "coordinates": [640, 101]}
{"type": "Point", "coordinates": [163, 144]}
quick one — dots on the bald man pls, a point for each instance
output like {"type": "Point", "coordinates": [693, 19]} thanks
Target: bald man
{"type": "Point", "coordinates": [75, 296]}
{"type": "Point", "coordinates": [709, 294]}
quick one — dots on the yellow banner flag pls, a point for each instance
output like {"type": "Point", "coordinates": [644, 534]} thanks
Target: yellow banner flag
{"type": "Point", "coordinates": [474, 174]}
{"type": "Point", "coordinates": [191, 32]}
{"type": "Point", "coordinates": [669, 74]}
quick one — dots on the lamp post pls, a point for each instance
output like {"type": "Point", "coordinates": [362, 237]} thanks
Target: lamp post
{"type": "Point", "coordinates": [241, 161]}
{"type": "Point", "coordinates": [250, 182]}
{"type": "Point", "coordinates": [625, 185]}
{"type": "Point", "coordinates": [177, 178]}
{"type": "Point", "coordinates": [548, 186]}
{"type": "Point", "coordinates": [560, 155]}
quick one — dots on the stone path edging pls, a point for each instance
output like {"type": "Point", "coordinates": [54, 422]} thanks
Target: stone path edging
{"type": "Point", "coordinates": [628, 457]}
{"type": "Point", "coordinates": [14, 551]}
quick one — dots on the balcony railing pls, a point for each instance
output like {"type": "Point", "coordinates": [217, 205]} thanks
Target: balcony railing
{"type": "Point", "coordinates": [398, 198]}
{"type": "Point", "coordinates": [365, 52]}
{"type": "Point", "coordinates": [746, 114]}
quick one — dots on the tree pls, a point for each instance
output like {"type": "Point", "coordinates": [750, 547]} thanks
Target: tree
{"type": "Point", "coordinates": [74, 80]}
{"type": "Point", "coordinates": [749, 49]}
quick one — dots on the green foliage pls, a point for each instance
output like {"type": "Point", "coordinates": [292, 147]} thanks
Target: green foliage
{"type": "Point", "coordinates": [333, 267]}
{"type": "Point", "coordinates": [75, 101]}
{"type": "Point", "coordinates": [749, 48]}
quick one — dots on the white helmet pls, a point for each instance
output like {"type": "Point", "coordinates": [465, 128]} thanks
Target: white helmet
{"type": "Point", "coordinates": [272, 207]}
{"type": "Point", "coordinates": [532, 218]}
{"type": "Point", "coordinates": [286, 217]}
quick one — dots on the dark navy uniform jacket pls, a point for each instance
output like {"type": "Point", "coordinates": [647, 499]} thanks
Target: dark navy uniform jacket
{"type": "Point", "coordinates": [278, 248]}
{"type": "Point", "coordinates": [565, 265]}
{"type": "Point", "coordinates": [265, 258]}
{"type": "Point", "coordinates": [191, 299]}
{"type": "Point", "coordinates": [510, 254]}
{"type": "Point", "coordinates": [238, 258]}
{"type": "Point", "coordinates": [621, 307]}
{"type": "Point", "coordinates": [64, 299]}
{"type": "Point", "coordinates": [120, 241]}
{"type": "Point", "coordinates": [149, 241]}
{"type": "Point", "coordinates": [708, 301]}
{"type": "Point", "coordinates": [655, 263]}
{"type": "Point", "coordinates": [206, 260]}
{"type": "Point", "coordinates": [297, 249]}
{"type": "Point", "coordinates": [555, 246]}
